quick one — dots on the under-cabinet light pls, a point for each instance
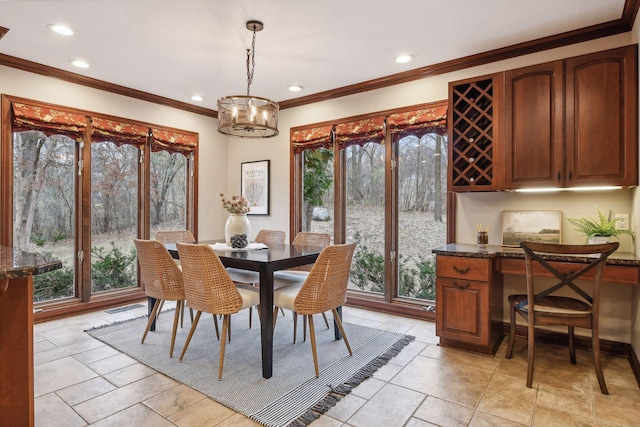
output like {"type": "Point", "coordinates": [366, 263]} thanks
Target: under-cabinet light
{"type": "Point", "coordinates": [554, 189]}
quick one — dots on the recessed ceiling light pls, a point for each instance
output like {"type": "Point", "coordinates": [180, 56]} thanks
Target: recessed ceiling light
{"type": "Point", "coordinates": [197, 98]}
{"type": "Point", "coordinates": [295, 88]}
{"type": "Point", "coordinates": [61, 29]}
{"type": "Point", "coordinates": [403, 59]}
{"type": "Point", "coordinates": [79, 63]}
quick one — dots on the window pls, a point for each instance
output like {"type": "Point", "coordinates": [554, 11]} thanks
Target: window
{"type": "Point", "coordinates": [381, 179]}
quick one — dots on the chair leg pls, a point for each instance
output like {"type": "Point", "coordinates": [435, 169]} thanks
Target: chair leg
{"type": "Point", "coordinates": [191, 331]}
{"type": "Point", "coordinates": [326, 322]}
{"type": "Point", "coordinates": [181, 304]}
{"type": "Point", "coordinates": [275, 317]}
{"type": "Point", "coordinates": [304, 328]}
{"type": "Point", "coordinates": [512, 332]}
{"type": "Point", "coordinates": [229, 327]}
{"type": "Point", "coordinates": [338, 321]}
{"type": "Point", "coordinates": [595, 346]}
{"type": "Point", "coordinates": [314, 350]}
{"type": "Point", "coordinates": [531, 342]}
{"type": "Point", "coordinates": [178, 314]}
{"type": "Point", "coordinates": [160, 308]}
{"type": "Point", "coordinates": [250, 316]}
{"type": "Point", "coordinates": [191, 313]}
{"type": "Point", "coordinates": [215, 322]}
{"type": "Point", "coordinates": [225, 326]}
{"type": "Point", "coordinates": [152, 317]}
{"type": "Point", "coordinates": [572, 349]}
{"type": "Point", "coordinates": [295, 326]}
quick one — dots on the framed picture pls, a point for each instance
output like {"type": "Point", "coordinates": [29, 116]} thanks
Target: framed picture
{"type": "Point", "coordinates": [255, 186]}
{"type": "Point", "coordinates": [535, 226]}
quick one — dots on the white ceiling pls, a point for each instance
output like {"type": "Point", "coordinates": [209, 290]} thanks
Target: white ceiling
{"type": "Point", "coordinates": [176, 48]}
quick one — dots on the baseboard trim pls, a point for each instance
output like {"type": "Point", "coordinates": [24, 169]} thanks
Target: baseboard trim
{"type": "Point", "coordinates": [614, 348]}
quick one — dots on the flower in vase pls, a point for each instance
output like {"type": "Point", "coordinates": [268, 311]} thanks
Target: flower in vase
{"type": "Point", "coordinates": [237, 204]}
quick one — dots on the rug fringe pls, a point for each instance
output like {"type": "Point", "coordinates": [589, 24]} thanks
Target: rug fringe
{"type": "Point", "coordinates": [346, 387]}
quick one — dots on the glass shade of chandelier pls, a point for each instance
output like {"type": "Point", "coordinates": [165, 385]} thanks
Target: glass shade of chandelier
{"type": "Point", "coordinates": [248, 116]}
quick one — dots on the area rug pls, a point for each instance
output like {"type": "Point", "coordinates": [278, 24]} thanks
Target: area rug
{"type": "Point", "coordinates": [293, 396]}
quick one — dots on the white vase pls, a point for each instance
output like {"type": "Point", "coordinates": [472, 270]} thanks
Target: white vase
{"type": "Point", "coordinates": [597, 240]}
{"type": "Point", "coordinates": [236, 224]}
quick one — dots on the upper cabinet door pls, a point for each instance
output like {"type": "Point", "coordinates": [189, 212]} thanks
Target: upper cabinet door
{"type": "Point", "coordinates": [601, 118]}
{"type": "Point", "coordinates": [534, 109]}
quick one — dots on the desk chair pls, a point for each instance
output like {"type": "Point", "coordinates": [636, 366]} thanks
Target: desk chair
{"type": "Point", "coordinates": [325, 288]}
{"type": "Point", "coordinates": [543, 308]}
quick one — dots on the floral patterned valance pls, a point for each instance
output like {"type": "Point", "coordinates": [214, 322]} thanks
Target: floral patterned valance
{"type": "Point", "coordinates": [118, 132]}
{"type": "Point", "coordinates": [427, 120]}
{"type": "Point", "coordinates": [360, 132]}
{"type": "Point", "coordinates": [50, 121]}
{"type": "Point", "coordinates": [311, 139]}
{"type": "Point", "coordinates": [173, 142]}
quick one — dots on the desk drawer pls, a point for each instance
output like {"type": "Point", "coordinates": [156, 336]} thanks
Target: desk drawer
{"type": "Point", "coordinates": [612, 273]}
{"type": "Point", "coordinates": [463, 267]}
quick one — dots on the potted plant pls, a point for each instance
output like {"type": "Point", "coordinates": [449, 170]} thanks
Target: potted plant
{"type": "Point", "coordinates": [599, 230]}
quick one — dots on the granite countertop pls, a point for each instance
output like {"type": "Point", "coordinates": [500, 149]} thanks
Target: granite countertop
{"type": "Point", "coordinates": [17, 263]}
{"type": "Point", "coordinates": [494, 251]}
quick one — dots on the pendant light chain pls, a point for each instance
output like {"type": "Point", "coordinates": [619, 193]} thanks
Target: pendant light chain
{"type": "Point", "coordinates": [251, 57]}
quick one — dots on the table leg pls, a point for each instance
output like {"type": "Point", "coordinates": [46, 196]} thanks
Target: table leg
{"type": "Point", "coordinates": [16, 352]}
{"type": "Point", "coordinates": [266, 321]}
{"type": "Point", "coordinates": [150, 303]}
{"type": "Point", "coordinates": [336, 330]}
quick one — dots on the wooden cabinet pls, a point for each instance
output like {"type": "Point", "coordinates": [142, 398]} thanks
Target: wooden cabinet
{"type": "Point", "coordinates": [468, 303]}
{"type": "Point", "coordinates": [573, 122]}
{"type": "Point", "coordinates": [475, 124]}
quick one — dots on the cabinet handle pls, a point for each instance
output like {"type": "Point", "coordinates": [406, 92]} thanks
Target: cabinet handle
{"type": "Point", "coordinates": [570, 176]}
{"type": "Point", "coordinates": [559, 176]}
{"type": "Point", "coordinates": [461, 287]}
{"type": "Point", "coordinates": [461, 270]}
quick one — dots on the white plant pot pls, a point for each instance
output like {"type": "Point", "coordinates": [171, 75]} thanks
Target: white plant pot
{"type": "Point", "coordinates": [598, 240]}
{"type": "Point", "coordinates": [236, 224]}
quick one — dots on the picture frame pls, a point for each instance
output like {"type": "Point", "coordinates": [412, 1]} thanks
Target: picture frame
{"type": "Point", "coordinates": [535, 226]}
{"type": "Point", "coordinates": [254, 186]}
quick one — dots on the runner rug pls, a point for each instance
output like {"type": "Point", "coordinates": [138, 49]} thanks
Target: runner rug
{"type": "Point", "coordinates": [293, 396]}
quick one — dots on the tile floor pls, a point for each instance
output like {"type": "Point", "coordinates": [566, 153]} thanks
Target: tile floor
{"type": "Point", "coordinates": [80, 381]}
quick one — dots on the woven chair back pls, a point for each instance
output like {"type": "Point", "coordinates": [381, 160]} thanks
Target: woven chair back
{"type": "Point", "coordinates": [173, 236]}
{"type": "Point", "coordinates": [207, 284]}
{"type": "Point", "coordinates": [310, 239]}
{"type": "Point", "coordinates": [159, 274]}
{"type": "Point", "coordinates": [270, 237]}
{"type": "Point", "coordinates": [326, 285]}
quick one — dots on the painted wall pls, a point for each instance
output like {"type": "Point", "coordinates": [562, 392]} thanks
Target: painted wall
{"type": "Point", "coordinates": [213, 147]}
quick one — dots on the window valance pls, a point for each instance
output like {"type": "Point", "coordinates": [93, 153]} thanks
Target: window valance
{"type": "Point", "coordinates": [360, 132]}
{"type": "Point", "coordinates": [312, 139]}
{"type": "Point", "coordinates": [50, 121]}
{"type": "Point", "coordinates": [421, 121]}
{"type": "Point", "coordinates": [118, 132]}
{"type": "Point", "coordinates": [173, 142]}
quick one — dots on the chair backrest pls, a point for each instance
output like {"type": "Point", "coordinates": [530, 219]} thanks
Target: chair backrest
{"type": "Point", "coordinates": [270, 236]}
{"type": "Point", "coordinates": [159, 274]}
{"type": "Point", "coordinates": [207, 284]}
{"type": "Point", "coordinates": [597, 254]}
{"type": "Point", "coordinates": [310, 239]}
{"type": "Point", "coordinates": [173, 236]}
{"type": "Point", "coordinates": [326, 285]}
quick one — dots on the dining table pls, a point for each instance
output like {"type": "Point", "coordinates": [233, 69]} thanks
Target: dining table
{"type": "Point", "coordinates": [265, 261]}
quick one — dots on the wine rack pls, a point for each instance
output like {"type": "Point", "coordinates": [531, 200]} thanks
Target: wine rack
{"type": "Point", "coordinates": [475, 148]}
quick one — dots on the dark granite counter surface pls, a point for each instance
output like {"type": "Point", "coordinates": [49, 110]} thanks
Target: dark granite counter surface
{"type": "Point", "coordinates": [16, 263]}
{"type": "Point", "coordinates": [494, 251]}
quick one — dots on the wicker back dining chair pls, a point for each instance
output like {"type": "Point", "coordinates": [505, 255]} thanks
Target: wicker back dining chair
{"type": "Point", "coordinates": [209, 289]}
{"type": "Point", "coordinates": [270, 236]}
{"type": "Point", "coordinates": [161, 279]}
{"type": "Point", "coordinates": [541, 307]}
{"type": "Point", "coordinates": [173, 236]}
{"type": "Point", "coordinates": [310, 239]}
{"type": "Point", "coordinates": [324, 289]}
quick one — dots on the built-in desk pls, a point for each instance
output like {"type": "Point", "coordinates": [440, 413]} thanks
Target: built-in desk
{"type": "Point", "coordinates": [469, 297]}
{"type": "Point", "coordinates": [17, 269]}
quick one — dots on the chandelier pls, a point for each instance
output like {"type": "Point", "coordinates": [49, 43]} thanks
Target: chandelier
{"type": "Point", "coordinates": [248, 116]}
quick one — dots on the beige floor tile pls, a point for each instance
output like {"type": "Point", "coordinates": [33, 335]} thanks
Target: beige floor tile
{"type": "Point", "coordinates": [136, 415]}
{"type": "Point", "coordinates": [573, 402]}
{"type": "Point", "coordinates": [81, 392]}
{"type": "Point", "coordinates": [51, 411]}
{"type": "Point", "coordinates": [392, 406]}
{"type": "Point", "coordinates": [325, 421]}
{"type": "Point", "coordinates": [115, 401]}
{"type": "Point", "coordinates": [346, 407]}
{"type": "Point", "coordinates": [368, 388]}
{"type": "Point", "coordinates": [112, 363]}
{"type": "Point", "coordinates": [550, 417]}
{"type": "Point", "coordinates": [408, 353]}
{"type": "Point", "coordinates": [42, 345]}
{"type": "Point", "coordinates": [203, 413]}
{"type": "Point", "coordinates": [479, 361]}
{"type": "Point", "coordinates": [59, 374]}
{"type": "Point", "coordinates": [449, 381]}
{"type": "Point", "coordinates": [386, 372]}
{"type": "Point", "coordinates": [96, 354]}
{"type": "Point", "coordinates": [238, 420]}
{"type": "Point", "coordinates": [424, 332]}
{"type": "Point", "coordinates": [129, 374]}
{"type": "Point", "coordinates": [415, 422]}
{"type": "Point", "coordinates": [480, 419]}
{"type": "Point", "coordinates": [443, 413]}
{"type": "Point", "coordinates": [67, 350]}
{"type": "Point", "coordinates": [510, 399]}
{"type": "Point", "coordinates": [616, 409]}
{"type": "Point", "coordinates": [65, 336]}
{"type": "Point", "coordinates": [174, 400]}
